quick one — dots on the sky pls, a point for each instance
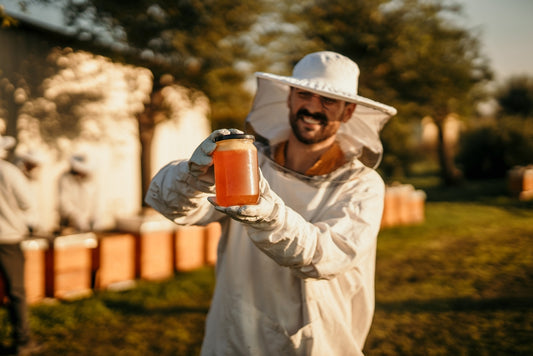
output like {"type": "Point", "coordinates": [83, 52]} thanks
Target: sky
{"type": "Point", "coordinates": [506, 32]}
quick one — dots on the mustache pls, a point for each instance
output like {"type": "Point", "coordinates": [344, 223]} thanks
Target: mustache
{"type": "Point", "coordinates": [317, 116]}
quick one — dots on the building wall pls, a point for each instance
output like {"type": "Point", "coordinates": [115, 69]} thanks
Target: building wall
{"type": "Point", "coordinates": [108, 131]}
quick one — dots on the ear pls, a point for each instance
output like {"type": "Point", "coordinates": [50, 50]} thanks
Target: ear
{"type": "Point", "coordinates": [348, 111]}
{"type": "Point", "coordinates": [289, 96]}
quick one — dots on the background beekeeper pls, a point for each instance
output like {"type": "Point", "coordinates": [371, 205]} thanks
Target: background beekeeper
{"type": "Point", "coordinates": [78, 200]}
{"type": "Point", "coordinates": [16, 211]}
{"type": "Point", "coordinates": [295, 273]}
{"type": "Point", "coordinates": [30, 163]}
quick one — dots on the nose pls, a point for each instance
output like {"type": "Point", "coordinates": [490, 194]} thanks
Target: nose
{"type": "Point", "coordinates": [315, 104]}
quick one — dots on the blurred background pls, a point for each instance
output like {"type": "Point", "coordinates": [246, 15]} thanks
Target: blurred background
{"type": "Point", "coordinates": [135, 84]}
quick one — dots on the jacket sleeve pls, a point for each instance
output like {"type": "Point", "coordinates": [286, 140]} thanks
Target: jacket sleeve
{"type": "Point", "coordinates": [180, 196]}
{"type": "Point", "coordinates": [343, 235]}
{"type": "Point", "coordinates": [24, 198]}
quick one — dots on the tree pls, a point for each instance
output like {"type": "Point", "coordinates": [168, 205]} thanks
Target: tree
{"type": "Point", "coordinates": [515, 97]}
{"type": "Point", "coordinates": [197, 42]}
{"type": "Point", "coordinates": [411, 54]}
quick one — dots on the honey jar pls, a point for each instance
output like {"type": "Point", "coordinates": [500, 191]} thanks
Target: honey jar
{"type": "Point", "coordinates": [236, 171]}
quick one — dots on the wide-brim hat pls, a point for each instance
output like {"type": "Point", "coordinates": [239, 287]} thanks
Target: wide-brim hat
{"type": "Point", "coordinates": [331, 75]}
{"type": "Point", "coordinates": [32, 156]}
{"type": "Point", "coordinates": [7, 142]}
{"type": "Point", "coordinates": [79, 163]}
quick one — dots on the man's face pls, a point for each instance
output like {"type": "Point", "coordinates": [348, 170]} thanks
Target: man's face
{"type": "Point", "coordinates": [31, 170]}
{"type": "Point", "coordinates": [316, 118]}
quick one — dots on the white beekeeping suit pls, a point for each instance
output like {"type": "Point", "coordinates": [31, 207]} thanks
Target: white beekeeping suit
{"type": "Point", "coordinates": [17, 203]}
{"type": "Point", "coordinates": [16, 206]}
{"type": "Point", "coordinates": [30, 163]}
{"type": "Point", "coordinates": [78, 198]}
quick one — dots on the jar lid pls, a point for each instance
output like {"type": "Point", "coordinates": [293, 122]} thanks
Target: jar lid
{"type": "Point", "coordinates": [235, 137]}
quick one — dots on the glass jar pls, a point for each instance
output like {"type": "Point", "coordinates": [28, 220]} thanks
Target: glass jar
{"type": "Point", "coordinates": [236, 171]}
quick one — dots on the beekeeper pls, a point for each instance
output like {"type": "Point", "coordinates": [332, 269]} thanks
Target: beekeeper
{"type": "Point", "coordinates": [30, 163]}
{"type": "Point", "coordinates": [78, 200]}
{"type": "Point", "coordinates": [295, 273]}
{"type": "Point", "coordinates": [17, 208]}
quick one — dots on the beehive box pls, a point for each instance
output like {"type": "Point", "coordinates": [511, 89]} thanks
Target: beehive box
{"type": "Point", "coordinates": [154, 245]}
{"type": "Point", "coordinates": [520, 182]}
{"type": "Point", "coordinates": [213, 232]}
{"type": "Point", "coordinates": [403, 205]}
{"type": "Point", "coordinates": [391, 208]}
{"type": "Point", "coordinates": [113, 260]}
{"type": "Point", "coordinates": [190, 247]}
{"type": "Point", "coordinates": [154, 254]}
{"type": "Point", "coordinates": [68, 266]}
{"type": "Point", "coordinates": [35, 250]}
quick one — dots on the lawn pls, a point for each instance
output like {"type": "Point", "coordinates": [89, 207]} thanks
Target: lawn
{"type": "Point", "coordinates": [458, 284]}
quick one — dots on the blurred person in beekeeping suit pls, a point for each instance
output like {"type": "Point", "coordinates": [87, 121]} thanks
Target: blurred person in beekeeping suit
{"type": "Point", "coordinates": [17, 211]}
{"type": "Point", "coordinates": [30, 162]}
{"type": "Point", "coordinates": [78, 200]}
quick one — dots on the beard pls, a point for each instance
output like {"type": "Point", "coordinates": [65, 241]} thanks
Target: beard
{"type": "Point", "coordinates": [326, 128]}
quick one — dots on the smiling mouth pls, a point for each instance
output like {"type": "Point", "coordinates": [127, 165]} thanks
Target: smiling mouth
{"type": "Point", "coordinates": [311, 121]}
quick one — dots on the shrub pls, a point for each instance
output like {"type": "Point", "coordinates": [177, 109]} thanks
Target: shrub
{"type": "Point", "coordinates": [490, 150]}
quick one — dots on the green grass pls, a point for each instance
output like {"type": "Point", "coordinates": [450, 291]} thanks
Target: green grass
{"type": "Point", "coordinates": [458, 284]}
{"type": "Point", "coordinates": [461, 283]}
{"type": "Point", "coordinates": [154, 318]}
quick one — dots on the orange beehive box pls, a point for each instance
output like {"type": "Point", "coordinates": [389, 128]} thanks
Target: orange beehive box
{"type": "Point", "coordinates": [190, 247]}
{"type": "Point", "coordinates": [113, 260]}
{"type": "Point", "coordinates": [417, 202]}
{"type": "Point", "coordinates": [154, 244]}
{"type": "Point", "coordinates": [391, 207]}
{"type": "Point", "coordinates": [68, 266]}
{"type": "Point", "coordinates": [520, 179]}
{"type": "Point", "coordinates": [213, 232]}
{"type": "Point", "coordinates": [405, 207]}
{"type": "Point", "coordinates": [35, 250]}
{"type": "Point", "coordinates": [154, 255]}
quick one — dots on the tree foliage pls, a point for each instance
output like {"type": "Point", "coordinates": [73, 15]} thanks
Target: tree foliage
{"type": "Point", "coordinates": [493, 148]}
{"type": "Point", "coordinates": [413, 54]}
{"type": "Point", "coordinates": [515, 97]}
{"type": "Point", "coordinates": [199, 42]}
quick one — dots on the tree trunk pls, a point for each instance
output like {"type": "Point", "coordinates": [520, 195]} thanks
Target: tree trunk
{"type": "Point", "coordinates": [146, 137]}
{"type": "Point", "coordinates": [450, 175]}
{"type": "Point", "coordinates": [152, 115]}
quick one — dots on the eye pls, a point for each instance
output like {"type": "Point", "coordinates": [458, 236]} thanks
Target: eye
{"type": "Point", "coordinates": [328, 101]}
{"type": "Point", "coordinates": [304, 94]}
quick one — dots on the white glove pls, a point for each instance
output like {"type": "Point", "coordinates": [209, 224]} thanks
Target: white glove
{"type": "Point", "coordinates": [265, 215]}
{"type": "Point", "coordinates": [201, 159]}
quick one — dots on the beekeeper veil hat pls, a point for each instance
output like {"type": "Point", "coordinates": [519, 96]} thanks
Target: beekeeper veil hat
{"type": "Point", "coordinates": [327, 74]}
{"type": "Point", "coordinates": [6, 143]}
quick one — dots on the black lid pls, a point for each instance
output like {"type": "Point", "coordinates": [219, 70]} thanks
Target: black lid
{"type": "Point", "coordinates": [235, 137]}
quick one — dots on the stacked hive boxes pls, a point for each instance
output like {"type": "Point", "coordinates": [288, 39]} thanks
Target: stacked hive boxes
{"type": "Point", "coordinates": [113, 260]}
{"type": "Point", "coordinates": [196, 246]}
{"type": "Point", "coordinates": [520, 181]}
{"type": "Point", "coordinates": [66, 267]}
{"type": "Point", "coordinates": [404, 205]}
{"type": "Point", "coordinates": [154, 245]}
{"type": "Point", "coordinates": [35, 251]}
